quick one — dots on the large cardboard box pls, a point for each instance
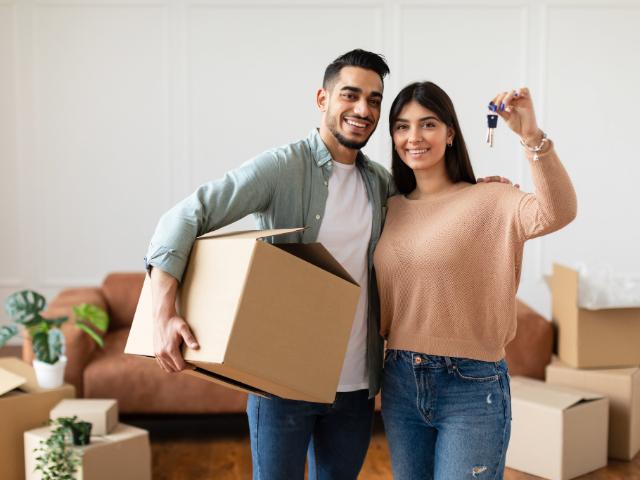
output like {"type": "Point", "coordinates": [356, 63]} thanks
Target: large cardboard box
{"type": "Point", "coordinates": [592, 338]}
{"type": "Point", "coordinates": [557, 432]}
{"type": "Point", "coordinates": [270, 319]}
{"type": "Point", "coordinates": [124, 454]}
{"type": "Point", "coordinates": [23, 406]}
{"type": "Point", "coordinates": [622, 387]}
{"type": "Point", "coordinates": [101, 413]}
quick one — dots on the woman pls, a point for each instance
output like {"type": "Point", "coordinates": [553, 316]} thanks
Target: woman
{"type": "Point", "coordinates": [448, 266]}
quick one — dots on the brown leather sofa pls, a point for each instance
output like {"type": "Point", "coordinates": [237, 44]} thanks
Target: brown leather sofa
{"type": "Point", "coordinates": [140, 386]}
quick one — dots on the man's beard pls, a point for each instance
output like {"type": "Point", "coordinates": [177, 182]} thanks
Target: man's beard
{"type": "Point", "coordinates": [345, 142]}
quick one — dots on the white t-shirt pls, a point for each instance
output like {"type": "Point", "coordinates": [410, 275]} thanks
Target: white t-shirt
{"type": "Point", "coordinates": [345, 232]}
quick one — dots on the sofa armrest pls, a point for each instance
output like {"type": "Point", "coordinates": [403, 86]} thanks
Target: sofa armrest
{"type": "Point", "coordinates": [79, 347]}
{"type": "Point", "coordinates": [530, 351]}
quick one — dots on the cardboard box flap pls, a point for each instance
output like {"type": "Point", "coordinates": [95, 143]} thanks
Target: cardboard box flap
{"type": "Point", "coordinates": [553, 396]}
{"type": "Point", "coordinates": [318, 255]}
{"type": "Point", "coordinates": [252, 234]}
{"type": "Point", "coordinates": [230, 382]}
{"type": "Point", "coordinates": [139, 341]}
{"type": "Point", "coordinates": [9, 381]}
{"type": "Point", "coordinates": [21, 369]}
{"type": "Point", "coordinates": [565, 281]}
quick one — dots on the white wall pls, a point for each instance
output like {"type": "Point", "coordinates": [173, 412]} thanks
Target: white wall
{"type": "Point", "coordinates": [111, 111]}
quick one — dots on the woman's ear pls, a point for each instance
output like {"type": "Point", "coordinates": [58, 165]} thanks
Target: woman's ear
{"type": "Point", "coordinates": [451, 133]}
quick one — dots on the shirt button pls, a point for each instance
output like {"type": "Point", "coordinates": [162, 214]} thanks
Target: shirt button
{"type": "Point", "coordinates": [326, 184]}
{"type": "Point", "coordinates": [418, 360]}
{"type": "Point", "coordinates": [317, 217]}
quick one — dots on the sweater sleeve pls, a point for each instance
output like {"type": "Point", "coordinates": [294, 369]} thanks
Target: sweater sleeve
{"type": "Point", "coordinates": [554, 203]}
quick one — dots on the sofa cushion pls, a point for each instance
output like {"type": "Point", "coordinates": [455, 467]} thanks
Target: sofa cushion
{"type": "Point", "coordinates": [122, 291]}
{"type": "Point", "coordinates": [140, 386]}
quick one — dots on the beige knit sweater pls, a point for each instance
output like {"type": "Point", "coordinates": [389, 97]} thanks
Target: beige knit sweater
{"type": "Point", "coordinates": [448, 266]}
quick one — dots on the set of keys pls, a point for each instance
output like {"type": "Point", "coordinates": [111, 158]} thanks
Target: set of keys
{"type": "Point", "coordinates": [492, 123]}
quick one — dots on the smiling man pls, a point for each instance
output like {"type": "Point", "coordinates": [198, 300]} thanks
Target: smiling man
{"type": "Point", "coordinates": [327, 184]}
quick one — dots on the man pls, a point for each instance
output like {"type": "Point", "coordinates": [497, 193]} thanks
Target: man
{"type": "Point", "coordinates": [323, 182]}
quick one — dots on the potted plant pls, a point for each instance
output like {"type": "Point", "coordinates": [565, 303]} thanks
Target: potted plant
{"type": "Point", "coordinates": [56, 459]}
{"type": "Point", "coordinates": [25, 308]}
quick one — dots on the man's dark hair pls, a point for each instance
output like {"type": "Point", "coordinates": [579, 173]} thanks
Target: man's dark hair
{"type": "Point", "coordinates": [355, 58]}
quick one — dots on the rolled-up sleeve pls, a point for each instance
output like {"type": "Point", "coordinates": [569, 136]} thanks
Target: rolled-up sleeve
{"type": "Point", "coordinates": [248, 189]}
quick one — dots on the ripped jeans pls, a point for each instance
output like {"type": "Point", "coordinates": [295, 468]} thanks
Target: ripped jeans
{"type": "Point", "coordinates": [445, 418]}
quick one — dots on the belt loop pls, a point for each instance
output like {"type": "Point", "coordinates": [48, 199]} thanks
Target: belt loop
{"type": "Point", "coordinates": [447, 360]}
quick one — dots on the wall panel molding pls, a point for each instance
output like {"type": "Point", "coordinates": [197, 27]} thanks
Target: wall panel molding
{"type": "Point", "coordinates": [179, 73]}
{"type": "Point", "coordinates": [13, 229]}
{"type": "Point", "coordinates": [164, 174]}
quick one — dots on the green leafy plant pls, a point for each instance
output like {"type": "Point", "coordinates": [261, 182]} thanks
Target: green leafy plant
{"type": "Point", "coordinates": [25, 308]}
{"type": "Point", "coordinates": [56, 459]}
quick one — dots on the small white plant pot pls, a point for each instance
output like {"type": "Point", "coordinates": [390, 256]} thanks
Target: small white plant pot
{"type": "Point", "coordinates": [48, 375]}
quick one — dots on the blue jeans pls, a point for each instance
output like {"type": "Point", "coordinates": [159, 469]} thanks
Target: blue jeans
{"type": "Point", "coordinates": [445, 418]}
{"type": "Point", "coordinates": [335, 436]}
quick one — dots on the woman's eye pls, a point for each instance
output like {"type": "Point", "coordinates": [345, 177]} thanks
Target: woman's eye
{"type": "Point", "coordinates": [401, 127]}
{"type": "Point", "coordinates": [428, 125]}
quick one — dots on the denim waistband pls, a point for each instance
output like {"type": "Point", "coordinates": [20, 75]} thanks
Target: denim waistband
{"type": "Point", "coordinates": [432, 360]}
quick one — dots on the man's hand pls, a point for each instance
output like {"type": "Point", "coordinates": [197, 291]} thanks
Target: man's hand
{"type": "Point", "coordinates": [169, 329]}
{"type": "Point", "coordinates": [498, 179]}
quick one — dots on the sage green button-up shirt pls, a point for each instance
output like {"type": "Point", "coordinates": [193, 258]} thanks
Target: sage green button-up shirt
{"type": "Point", "coordinates": [284, 187]}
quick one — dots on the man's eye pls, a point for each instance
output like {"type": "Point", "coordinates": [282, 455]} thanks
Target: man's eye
{"type": "Point", "coordinates": [374, 103]}
{"type": "Point", "coordinates": [349, 96]}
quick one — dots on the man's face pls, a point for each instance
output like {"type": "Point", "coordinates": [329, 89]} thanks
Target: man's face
{"type": "Point", "coordinates": [351, 106]}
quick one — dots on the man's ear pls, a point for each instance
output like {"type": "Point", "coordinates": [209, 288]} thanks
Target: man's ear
{"type": "Point", "coordinates": [322, 99]}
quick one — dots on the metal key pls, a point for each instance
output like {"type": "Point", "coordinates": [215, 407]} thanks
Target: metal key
{"type": "Point", "coordinates": [492, 123]}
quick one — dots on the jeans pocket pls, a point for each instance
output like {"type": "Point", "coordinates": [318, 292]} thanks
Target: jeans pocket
{"type": "Point", "coordinates": [476, 371]}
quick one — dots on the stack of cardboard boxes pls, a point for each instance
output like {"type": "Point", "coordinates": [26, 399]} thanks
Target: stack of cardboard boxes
{"type": "Point", "coordinates": [560, 427]}
{"type": "Point", "coordinates": [23, 406]}
{"type": "Point", "coordinates": [116, 450]}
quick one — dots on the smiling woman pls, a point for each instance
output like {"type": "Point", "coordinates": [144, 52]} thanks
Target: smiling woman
{"type": "Point", "coordinates": [448, 266]}
{"type": "Point", "coordinates": [425, 130]}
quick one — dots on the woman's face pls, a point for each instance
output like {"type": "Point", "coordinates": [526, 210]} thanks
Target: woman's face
{"type": "Point", "coordinates": [420, 137]}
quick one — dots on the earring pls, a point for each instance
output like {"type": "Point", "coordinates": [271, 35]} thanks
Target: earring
{"type": "Point", "coordinates": [449, 144]}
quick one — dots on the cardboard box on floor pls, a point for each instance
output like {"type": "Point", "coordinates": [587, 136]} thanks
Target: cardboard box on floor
{"type": "Point", "coordinates": [592, 338]}
{"type": "Point", "coordinates": [557, 432]}
{"type": "Point", "coordinates": [269, 318]}
{"type": "Point", "coordinates": [101, 413]}
{"type": "Point", "coordinates": [124, 454]}
{"type": "Point", "coordinates": [23, 406]}
{"type": "Point", "coordinates": [622, 387]}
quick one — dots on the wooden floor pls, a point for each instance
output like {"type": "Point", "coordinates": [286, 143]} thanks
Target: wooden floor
{"type": "Point", "coordinates": [219, 449]}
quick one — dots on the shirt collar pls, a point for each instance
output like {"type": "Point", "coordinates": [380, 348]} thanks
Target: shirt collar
{"type": "Point", "coordinates": [321, 153]}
